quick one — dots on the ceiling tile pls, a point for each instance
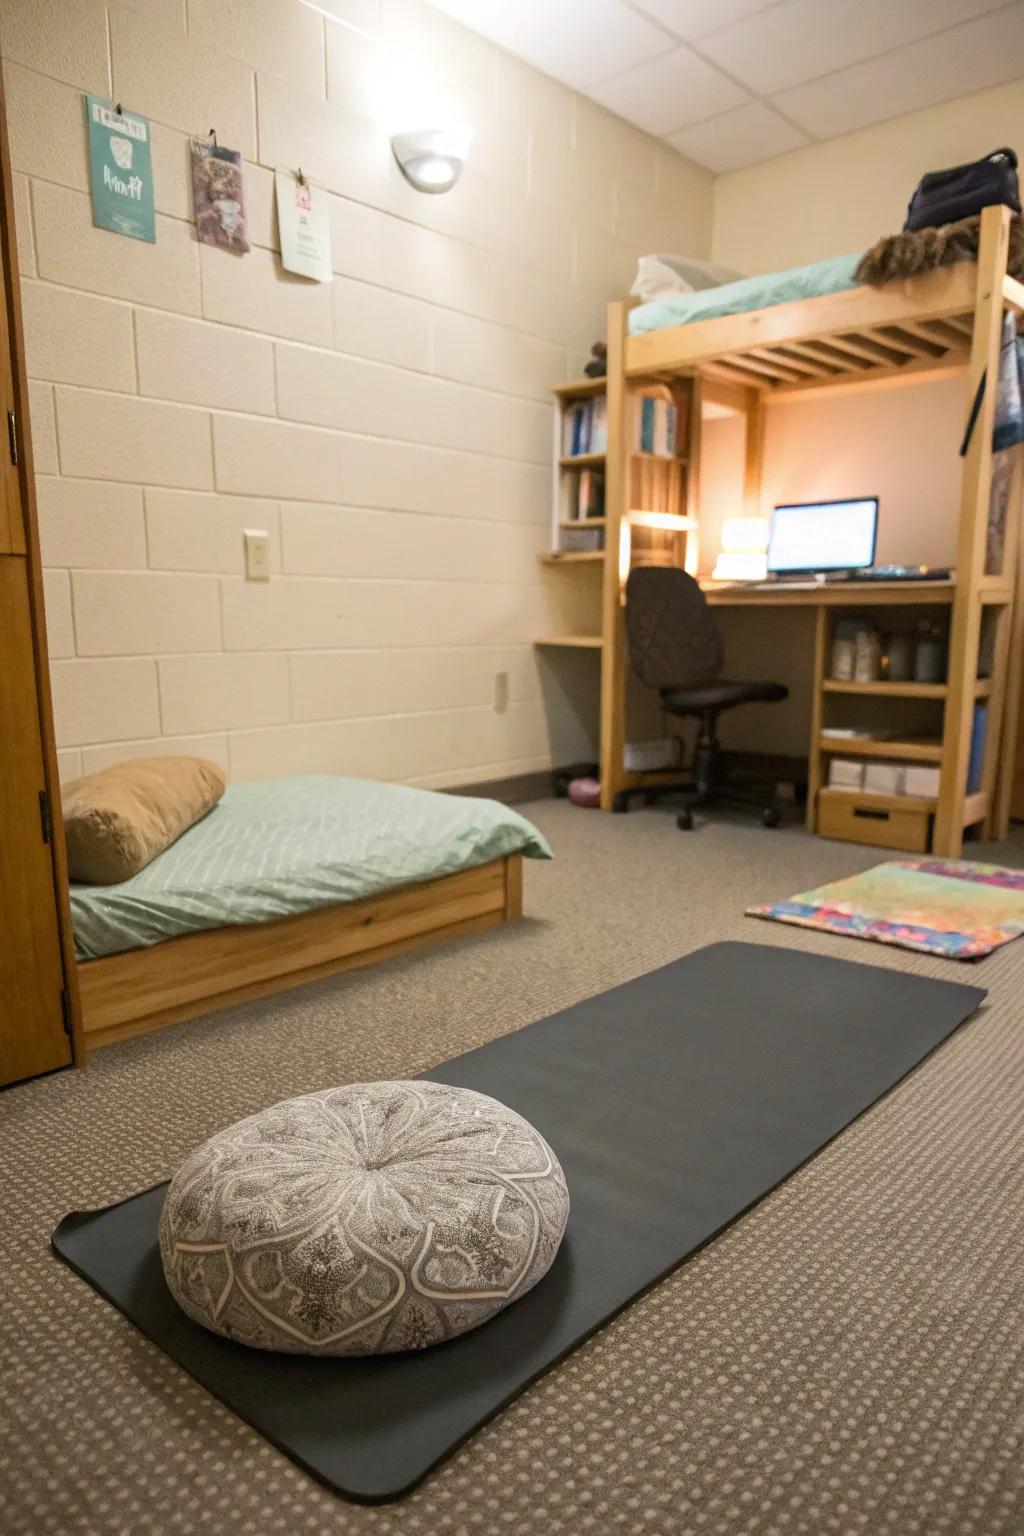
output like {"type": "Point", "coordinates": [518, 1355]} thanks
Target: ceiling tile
{"type": "Point", "coordinates": [688, 19]}
{"type": "Point", "coordinates": [668, 92]}
{"type": "Point", "coordinates": [981, 53]}
{"type": "Point", "coordinates": [738, 138]}
{"type": "Point", "coordinates": [578, 41]}
{"type": "Point", "coordinates": [799, 40]}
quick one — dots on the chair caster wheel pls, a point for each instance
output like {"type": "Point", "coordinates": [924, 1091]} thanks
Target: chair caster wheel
{"type": "Point", "coordinates": [684, 821]}
{"type": "Point", "coordinates": [771, 816]}
{"type": "Point", "coordinates": [620, 802]}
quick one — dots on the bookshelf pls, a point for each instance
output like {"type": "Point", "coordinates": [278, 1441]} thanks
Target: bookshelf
{"type": "Point", "coordinates": [624, 492]}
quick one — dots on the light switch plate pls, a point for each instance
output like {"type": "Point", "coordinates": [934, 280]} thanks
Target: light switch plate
{"type": "Point", "coordinates": [257, 554]}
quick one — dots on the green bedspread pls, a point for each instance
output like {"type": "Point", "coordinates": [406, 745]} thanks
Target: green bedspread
{"type": "Point", "coordinates": [281, 846]}
{"type": "Point", "coordinates": [748, 293]}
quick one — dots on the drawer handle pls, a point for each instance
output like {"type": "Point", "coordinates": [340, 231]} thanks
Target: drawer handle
{"type": "Point", "coordinates": [866, 815]}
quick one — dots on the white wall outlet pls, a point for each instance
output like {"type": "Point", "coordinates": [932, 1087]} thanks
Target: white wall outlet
{"type": "Point", "coordinates": [257, 554]}
{"type": "Point", "coordinates": [501, 693]}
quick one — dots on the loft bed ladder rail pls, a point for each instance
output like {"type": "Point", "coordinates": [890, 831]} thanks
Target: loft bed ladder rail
{"type": "Point", "coordinates": [613, 626]}
{"type": "Point", "coordinates": [969, 600]}
{"type": "Point", "coordinates": [683, 489]}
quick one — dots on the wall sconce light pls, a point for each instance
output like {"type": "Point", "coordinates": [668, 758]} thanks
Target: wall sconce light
{"type": "Point", "coordinates": [433, 159]}
{"type": "Point", "coordinates": [744, 541]}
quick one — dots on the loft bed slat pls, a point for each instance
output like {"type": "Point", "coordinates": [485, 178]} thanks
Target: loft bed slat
{"type": "Point", "coordinates": [939, 331]}
{"type": "Point", "coordinates": [731, 373]}
{"type": "Point", "coordinates": [800, 357]}
{"type": "Point", "coordinates": [869, 345]}
{"type": "Point", "coordinates": [906, 337]}
{"type": "Point", "coordinates": [752, 361]}
{"type": "Point", "coordinates": [827, 358]}
{"type": "Point", "coordinates": [962, 323]}
{"type": "Point", "coordinates": [782, 358]}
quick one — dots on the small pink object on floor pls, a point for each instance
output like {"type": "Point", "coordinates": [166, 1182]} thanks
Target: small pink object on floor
{"type": "Point", "coordinates": [585, 792]}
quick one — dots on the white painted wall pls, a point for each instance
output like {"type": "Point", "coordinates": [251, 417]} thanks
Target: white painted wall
{"type": "Point", "coordinates": [391, 431]}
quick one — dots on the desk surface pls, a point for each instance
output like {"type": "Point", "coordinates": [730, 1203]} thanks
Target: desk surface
{"type": "Point", "coordinates": [850, 594]}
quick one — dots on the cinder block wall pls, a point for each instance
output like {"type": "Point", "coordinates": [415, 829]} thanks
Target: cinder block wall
{"type": "Point", "coordinates": [391, 430]}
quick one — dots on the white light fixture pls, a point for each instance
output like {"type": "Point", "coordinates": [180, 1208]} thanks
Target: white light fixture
{"type": "Point", "coordinates": [744, 541]}
{"type": "Point", "coordinates": [433, 159]}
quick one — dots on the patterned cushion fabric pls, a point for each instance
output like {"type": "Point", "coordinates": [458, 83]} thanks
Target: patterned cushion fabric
{"type": "Point", "coordinates": [362, 1220]}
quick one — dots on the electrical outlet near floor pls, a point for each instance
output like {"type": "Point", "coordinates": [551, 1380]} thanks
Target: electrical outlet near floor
{"type": "Point", "coordinates": [501, 693]}
{"type": "Point", "coordinates": [257, 554]}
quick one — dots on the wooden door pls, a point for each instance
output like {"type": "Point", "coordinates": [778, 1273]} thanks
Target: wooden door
{"type": "Point", "coordinates": [39, 1015]}
{"type": "Point", "coordinates": [33, 1037]}
{"type": "Point", "coordinates": [12, 520]}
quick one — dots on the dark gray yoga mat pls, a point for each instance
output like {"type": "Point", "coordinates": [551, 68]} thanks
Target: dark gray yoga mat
{"type": "Point", "coordinates": [674, 1102]}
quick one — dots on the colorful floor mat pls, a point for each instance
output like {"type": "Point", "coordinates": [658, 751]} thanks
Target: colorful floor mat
{"type": "Point", "coordinates": [944, 907]}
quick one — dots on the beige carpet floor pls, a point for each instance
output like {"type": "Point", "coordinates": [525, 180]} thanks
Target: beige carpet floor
{"type": "Point", "coordinates": [847, 1358]}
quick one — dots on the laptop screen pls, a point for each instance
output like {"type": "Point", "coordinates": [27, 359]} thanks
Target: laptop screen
{"type": "Point", "coordinates": [823, 536]}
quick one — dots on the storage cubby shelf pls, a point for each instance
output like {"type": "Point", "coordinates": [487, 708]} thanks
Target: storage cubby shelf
{"type": "Point", "coordinates": [909, 751]}
{"type": "Point", "coordinates": [576, 642]}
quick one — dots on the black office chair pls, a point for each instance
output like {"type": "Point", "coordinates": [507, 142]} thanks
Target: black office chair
{"type": "Point", "coordinates": [675, 647]}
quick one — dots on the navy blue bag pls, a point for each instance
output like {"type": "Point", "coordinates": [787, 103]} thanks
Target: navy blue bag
{"type": "Point", "coordinates": [942, 197]}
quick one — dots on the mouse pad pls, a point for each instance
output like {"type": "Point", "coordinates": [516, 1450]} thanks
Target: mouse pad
{"type": "Point", "coordinates": [674, 1102]}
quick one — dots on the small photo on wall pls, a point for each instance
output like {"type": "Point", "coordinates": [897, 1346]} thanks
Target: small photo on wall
{"type": "Point", "coordinates": [218, 196]}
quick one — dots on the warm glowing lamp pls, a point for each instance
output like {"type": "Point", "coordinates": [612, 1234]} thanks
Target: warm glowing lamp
{"type": "Point", "coordinates": [743, 558]}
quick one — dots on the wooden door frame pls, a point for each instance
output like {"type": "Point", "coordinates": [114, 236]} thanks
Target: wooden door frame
{"type": "Point", "coordinates": [17, 379]}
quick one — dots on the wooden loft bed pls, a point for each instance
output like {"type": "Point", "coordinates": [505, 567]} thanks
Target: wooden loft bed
{"type": "Point", "coordinates": [143, 989]}
{"type": "Point", "coordinates": [943, 321]}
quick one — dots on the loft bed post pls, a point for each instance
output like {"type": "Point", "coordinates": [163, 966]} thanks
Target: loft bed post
{"type": "Point", "coordinates": [691, 503]}
{"type": "Point", "coordinates": [953, 810]}
{"type": "Point", "coordinates": [1011, 754]}
{"type": "Point", "coordinates": [613, 629]}
{"type": "Point", "coordinates": [753, 452]}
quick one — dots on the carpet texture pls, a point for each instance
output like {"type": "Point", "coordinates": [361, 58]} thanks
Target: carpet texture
{"type": "Point", "coordinates": [847, 1358]}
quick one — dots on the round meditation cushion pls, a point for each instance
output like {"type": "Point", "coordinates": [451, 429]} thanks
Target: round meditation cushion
{"type": "Point", "coordinates": [363, 1220]}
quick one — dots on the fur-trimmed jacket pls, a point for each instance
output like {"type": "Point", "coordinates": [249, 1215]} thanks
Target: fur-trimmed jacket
{"type": "Point", "coordinates": [922, 250]}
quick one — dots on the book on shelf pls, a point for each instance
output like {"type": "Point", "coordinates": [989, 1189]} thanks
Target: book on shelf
{"type": "Point", "coordinates": [581, 540]}
{"type": "Point", "coordinates": [585, 428]}
{"type": "Point", "coordinates": [589, 495]}
{"type": "Point", "coordinates": [654, 425]}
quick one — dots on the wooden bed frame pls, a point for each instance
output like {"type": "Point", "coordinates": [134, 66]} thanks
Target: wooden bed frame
{"type": "Point", "coordinates": [945, 321]}
{"type": "Point", "coordinates": [143, 989]}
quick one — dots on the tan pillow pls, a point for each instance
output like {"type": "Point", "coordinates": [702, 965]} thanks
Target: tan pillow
{"type": "Point", "coordinates": [118, 820]}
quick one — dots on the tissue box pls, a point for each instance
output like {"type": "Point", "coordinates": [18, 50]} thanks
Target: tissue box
{"type": "Point", "coordinates": [884, 778]}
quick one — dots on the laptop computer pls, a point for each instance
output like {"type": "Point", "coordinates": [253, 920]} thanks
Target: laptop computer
{"type": "Point", "coordinates": [824, 540]}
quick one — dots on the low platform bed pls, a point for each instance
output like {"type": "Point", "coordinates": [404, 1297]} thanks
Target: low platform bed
{"type": "Point", "coordinates": [142, 989]}
{"type": "Point", "coordinates": [286, 881]}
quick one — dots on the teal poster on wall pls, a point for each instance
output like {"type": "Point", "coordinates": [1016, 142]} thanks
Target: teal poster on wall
{"type": "Point", "coordinates": [121, 170]}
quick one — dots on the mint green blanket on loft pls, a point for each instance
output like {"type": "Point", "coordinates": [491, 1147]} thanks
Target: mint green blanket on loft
{"type": "Point", "coordinates": [274, 848]}
{"type": "Point", "coordinates": [761, 292]}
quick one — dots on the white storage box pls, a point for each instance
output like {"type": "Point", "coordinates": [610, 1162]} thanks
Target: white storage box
{"type": "Point", "coordinates": [844, 773]}
{"type": "Point", "coordinates": [921, 781]}
{"type": "Point", "coordinates": [884, 778]}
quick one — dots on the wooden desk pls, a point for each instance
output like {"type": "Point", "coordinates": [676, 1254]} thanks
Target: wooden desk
{"type": "Point", "coordinates": [826, 602]}
{"type": "Point", "coordinates": [847, 594]}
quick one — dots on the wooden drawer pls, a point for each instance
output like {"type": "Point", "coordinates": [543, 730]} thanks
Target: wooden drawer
{"type": "Point", "coordinates": [887, 821]}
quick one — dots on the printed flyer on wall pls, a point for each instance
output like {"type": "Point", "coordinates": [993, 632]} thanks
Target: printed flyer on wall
{"type": "Point", "coordinates": [218, 196]}
{"type": "Point", "coordinates": [304, 226]}
{"type": "Point", "coordinates": [120, 170]}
